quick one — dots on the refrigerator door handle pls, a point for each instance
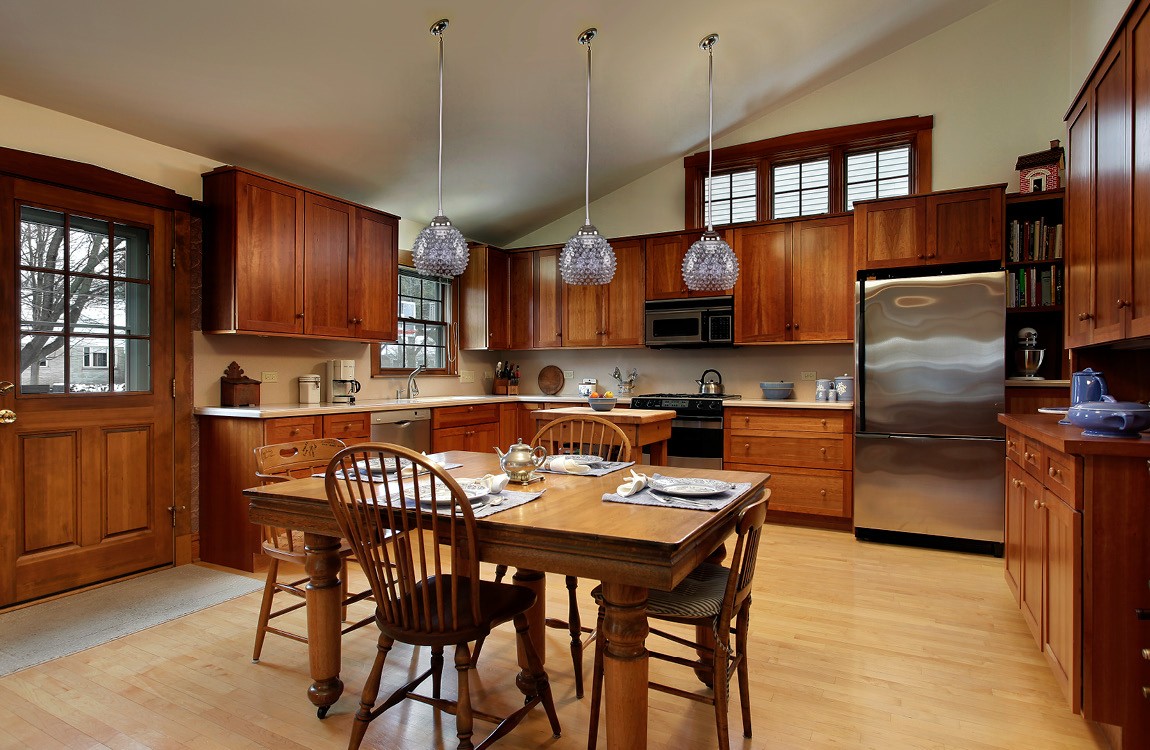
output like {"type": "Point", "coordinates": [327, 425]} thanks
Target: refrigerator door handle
{"type": "Point", "coordinates": [874, 435]}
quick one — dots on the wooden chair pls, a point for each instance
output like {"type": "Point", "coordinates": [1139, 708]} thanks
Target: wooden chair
{"type": "Point", "coordinates": [711, 596]}
{"type": "Point", "coordinates": [279, 463]}
{"type": "Point", "coordinates": [587, 435]}
{"type": "Point", "coordinates": [424, 574]}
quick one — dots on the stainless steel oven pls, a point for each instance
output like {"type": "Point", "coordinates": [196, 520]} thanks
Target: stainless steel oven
{"type": "Point", "coordinates": [697, 429]}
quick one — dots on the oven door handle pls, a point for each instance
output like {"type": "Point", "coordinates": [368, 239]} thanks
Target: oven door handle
{"type": "Point", "coordinates": [701, 423]}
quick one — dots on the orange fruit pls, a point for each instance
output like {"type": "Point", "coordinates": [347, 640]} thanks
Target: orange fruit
{"type": "Point", "coordinates": [594, 394]}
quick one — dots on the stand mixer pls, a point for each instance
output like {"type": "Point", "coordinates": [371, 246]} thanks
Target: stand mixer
{"type": "Point", "coordinates": [1028, 357]}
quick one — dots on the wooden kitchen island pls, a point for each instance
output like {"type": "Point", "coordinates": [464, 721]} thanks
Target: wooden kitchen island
{"type": "Point", "coordinates": [1078, 563]}
{"type": "Point", "coordinates": [645, 428]}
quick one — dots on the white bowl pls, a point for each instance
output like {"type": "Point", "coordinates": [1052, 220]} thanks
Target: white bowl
{"type": "Point", "coordinates": [602, 404]}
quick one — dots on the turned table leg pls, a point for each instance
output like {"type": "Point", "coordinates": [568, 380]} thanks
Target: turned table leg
{"type": "Point", "coordinates": [536, 616]}
{"type": "Point", "coordinates": [625, 666]}
{"type": "Point", "coordinates": [323, 620]}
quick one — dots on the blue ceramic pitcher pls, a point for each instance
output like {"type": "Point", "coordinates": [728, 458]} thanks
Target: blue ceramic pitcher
{"type": "Point", "coordinates": [1087, 385]}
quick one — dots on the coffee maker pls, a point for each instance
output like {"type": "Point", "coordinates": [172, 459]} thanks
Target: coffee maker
{"type": "Point", "coordinates": [341, 383]}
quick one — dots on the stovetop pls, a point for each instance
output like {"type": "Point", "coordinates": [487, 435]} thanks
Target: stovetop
{"type": "Point", "coordinates": [685, 404]}
{"type": "Point", "coordinates": [719, 396]}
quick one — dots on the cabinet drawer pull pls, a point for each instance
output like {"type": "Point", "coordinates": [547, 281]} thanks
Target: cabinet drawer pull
{"type": "Point", "coordinates": [823, 451]}
{"type": "Point", "coordinates": [1010, 444]}
{"type": "Point", "coordinates": [747, 423]}
{"type": "Point", "coordinates": [746, 447]}
{"type": "Point", "coordinates": [1053, 472]}
{"type": "Point", "coordinates": [930, 255]}
{"type": "Point", "coordinates": [796, 326]}
{"type": "Point", "coordinates": [824, 423]}
{"type": "Point", "coordinates": [920, 256]}
{"type": "Point", "coordinates": [823, 493]}
{"type": "Point", "coordinates": [1085, 316]}
{"type": "Point", "coordinates": [1037, 505]}
{"type": "Point", "coordinates": [1146, 654]}
{"type": "Point", "coordinates": [294, 431]}
{"type": "Point", "coordinates": [1123, 303]}
{"type": "Point", "coordinates": [787, 326]}
{"type": "Point", "coordinates": [1146, 693]}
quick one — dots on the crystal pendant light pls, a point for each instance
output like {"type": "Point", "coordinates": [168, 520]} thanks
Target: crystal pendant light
{"type": "Point", "coordinates": [439, 249]}
{"type": "Point", "coordinates": [710, 264]}
{"type": "Point", "coordinates": [587, 258]}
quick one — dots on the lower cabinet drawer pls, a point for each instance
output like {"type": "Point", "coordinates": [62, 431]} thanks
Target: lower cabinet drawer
{"type": "Point", "coordinates": [794, 420]}
{"type": "Point", "coordinates": [799, 449]}
{"type": "Point", "coordinates": [288, 429]}
{"type": "Point", "coordinates": [1061, 477]}
{"type": "Point", "coordinates": [454, 416]}
{"type": "Point", "coordinates": [810, 491]}
{"type": "Point", "coordinates": [350, 428]}
{"type": "Point", "coordinates": [1032, 458]}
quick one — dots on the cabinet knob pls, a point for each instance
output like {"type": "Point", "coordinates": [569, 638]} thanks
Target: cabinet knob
{"type": "Point", "coordinates": [1123, 303]}
{"type": "Point", "coordinates": [920, 256]}
{"type": "Point", "coordinates": [1085, 316]}
{"type": "Point", "coordinates": [1146, 654]}
{"type": "Point", "coordinates": [1014, 482]}
{"type": "Point", "coordinates": [822, 493]}
{"type": "Point", "coordinates": [930, 255]}
{"type": "Point", "coordinates": [747, 423]}
{"type": "Point", "coordinates": [823, 451]}
{"type": "Point", "coordinates": [787, 326]}
{"type": "Point", "coordinates": [1146, 693]}
{"type": "Point", "coordinates": [796, 326]}
{"type": "Point", "coordinates": [1053, 471]}
{"type": "Point", "coordinates": [747, 447]}
{"type": "Point", "coordinates": [824, 423]}
{"type": "Point", "coordinates": [295, 431]}
{"type": "Point", "coordinates": [1036, 505]}
{"type": "Point", "coordinates": [299, 315]}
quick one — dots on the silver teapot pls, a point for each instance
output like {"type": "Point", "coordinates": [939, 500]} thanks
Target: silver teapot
{"type": "Point", "coordinates": [521, 460]}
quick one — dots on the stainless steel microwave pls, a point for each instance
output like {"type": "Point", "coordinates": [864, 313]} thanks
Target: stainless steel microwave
{"type": "Point", "coordinates": [699, 321]}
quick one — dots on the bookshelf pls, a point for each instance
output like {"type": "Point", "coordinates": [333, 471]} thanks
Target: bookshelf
{"type": "Point", "coordinates": [1033, 261]}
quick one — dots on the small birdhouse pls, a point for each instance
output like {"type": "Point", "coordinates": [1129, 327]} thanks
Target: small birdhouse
{"type": "Point", "coordinates": [236, 389]}
{"type": "Point", "coordinates": [1041, 170]}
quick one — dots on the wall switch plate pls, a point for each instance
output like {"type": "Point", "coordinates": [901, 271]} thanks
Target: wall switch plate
{"type": "Point", "coordinates": [568, 373]}
{"type": "Point", "coordinates": [467, 376]}
{"type": "Point", "coordinates": [487, 374]}
{"type": "Point", "coordinates": [269, 377]}
{"type": "Point", "coordinates": [808, 375]}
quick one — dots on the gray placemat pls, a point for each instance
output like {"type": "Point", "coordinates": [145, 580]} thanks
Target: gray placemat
{"type": "Point", "coordinates": [713, 503]}
{"type": "Point", "coordinates": [503, 501]}
{"type": "Point", "coordinates": [597, 470]}
{"type": "Point", "coordinates": [378, 478]}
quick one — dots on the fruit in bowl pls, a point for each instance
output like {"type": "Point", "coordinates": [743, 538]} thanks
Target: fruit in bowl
{"type": "Point", "coordinates": [601, 403]}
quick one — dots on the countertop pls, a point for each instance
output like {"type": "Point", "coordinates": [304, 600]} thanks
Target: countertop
{"type": "Point", "coordinates": [268, 411]}
{"type": "Point", "coordinates": [1037, 383]}
{"type": "Point", "coordinates": [1069, 439]}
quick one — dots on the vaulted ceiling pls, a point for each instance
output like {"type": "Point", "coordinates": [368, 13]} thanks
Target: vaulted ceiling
{"type": "Point", "coordinates": [341, 96]}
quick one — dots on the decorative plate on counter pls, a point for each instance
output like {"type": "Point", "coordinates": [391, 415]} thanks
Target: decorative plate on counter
{"type": "Point", "coordinates": [551, 380]}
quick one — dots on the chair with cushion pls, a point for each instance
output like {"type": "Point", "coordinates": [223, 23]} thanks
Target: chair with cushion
{"type": "Point", "coordinates": [711, 596]}
{"type": "Point", "coordinates": [586, 435]}
{"type": "Point", "coordinates": [416, 542]}
{"type": "Point", "coordinates": [279, 463]}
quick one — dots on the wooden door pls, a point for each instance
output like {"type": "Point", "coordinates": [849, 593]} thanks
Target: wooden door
{"type": "Point", "coordinates": [1079, 250]}
{"type": "Point", "coordinates": [329, 232]}
{"type": "Point", "coordinates": [520, 299]}
{"type": "Point", "coordinates": [624, 297]}
{"type": "Point", "coordinates": [1111, 197]}
{"type": "Point", "coordinates": [548, 301]}
{"type": "Point", "coordinates": [86, 340]}
{"type": "Point", "coordinates": [965, 226]}
{"type": "Point", "coordinates": [1063, 595]}
{"type": "Point", "coordinates": [373, 284]}
{"type": "Point", "coordinates": [269, 256]}
{"type": "Point", "coordinates": [822, 280]}
{"type": "Point", "coordinates": [762, 292]}
{"type": "Point", "coordinates": [1138, 323]}
{"type": "Point", "coordinates": [1013, 533]}
{"type": "Point", "coordinates": [890, 233]}
{"type": "Point", "coordinates": [1033, 552]}
{"type": "Point", "coordinates": [664, 261]}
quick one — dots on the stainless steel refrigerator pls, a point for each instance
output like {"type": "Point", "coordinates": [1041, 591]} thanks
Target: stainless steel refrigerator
{"type": "Point", "coordinates": [929, 453]}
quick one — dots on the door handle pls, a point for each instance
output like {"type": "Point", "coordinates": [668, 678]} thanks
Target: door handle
{"type": "Point", "coordinates": [5, 386]}
{"type": "Point", "coordinates": [7, 416]}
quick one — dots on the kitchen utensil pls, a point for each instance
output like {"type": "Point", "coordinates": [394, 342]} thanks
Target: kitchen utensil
{"type": "Point", "coordinates": [551, 380]}
{"type": "Point", "coordinates": [1110, 418]}
{"type": "Point", "coordinates": [710, 387]}
{"type": "Point", "coordinates": [775, 390]}
{"type": "Point", "coordinates": [1087, 386]}
{"type": "Point", "coordinates": [521, 460]}
{"type": "Point", "coordinates": [602, 404]}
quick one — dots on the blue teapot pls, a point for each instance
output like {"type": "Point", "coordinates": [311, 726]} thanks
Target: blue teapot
{"type": "Point", "coordinates": [1110, 418]}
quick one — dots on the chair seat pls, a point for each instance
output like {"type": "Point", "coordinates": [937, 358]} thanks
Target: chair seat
{"type": "Point", "coordinates": [698, 596]}
{"type": "Point", "coordinates": [498, 602]}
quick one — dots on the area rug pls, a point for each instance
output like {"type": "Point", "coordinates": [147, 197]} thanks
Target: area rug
{"type": "Point", "coordinates": [42, 632]}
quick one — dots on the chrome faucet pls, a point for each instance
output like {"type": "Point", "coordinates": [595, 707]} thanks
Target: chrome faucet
{"type": "Point", "coordinates": [412, 388]}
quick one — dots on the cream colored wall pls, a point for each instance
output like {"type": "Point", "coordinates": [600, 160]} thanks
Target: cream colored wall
{"type": "Point", "coordinates": [993, 96]}
{"type": "Point", "coordinates": [1091, 24]}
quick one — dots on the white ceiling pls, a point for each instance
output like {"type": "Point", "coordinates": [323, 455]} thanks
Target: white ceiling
{"type": "Point", "coordinates": [341, 95]}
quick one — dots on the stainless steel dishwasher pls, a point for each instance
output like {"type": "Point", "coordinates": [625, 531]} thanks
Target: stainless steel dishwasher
{"type": "Point", "coordinates": [410, 428]}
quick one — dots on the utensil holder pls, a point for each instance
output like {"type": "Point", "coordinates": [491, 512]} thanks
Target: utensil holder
{"type": "Point", "coordinates": [505, 387]}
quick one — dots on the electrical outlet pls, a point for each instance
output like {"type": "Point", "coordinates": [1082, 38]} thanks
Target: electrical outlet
{"type": "Point", "coordinates": [270, 377]}
{"type": "Point", "coordinates": [568, 373]}
{"type": "Point", "coordinates": [467, 376]}
{"type": "Point", "coordinates": [809, 375]}
{"type": "Point", "coordinates": [487, 374]}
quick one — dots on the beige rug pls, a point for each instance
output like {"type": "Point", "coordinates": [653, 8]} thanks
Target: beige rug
{"type": "Point", "coordinates": [42, 632]}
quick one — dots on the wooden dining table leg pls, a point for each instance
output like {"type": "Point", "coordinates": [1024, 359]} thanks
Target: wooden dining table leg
{"type": "Point", "coordinates": [323, 620]}
{"type": "Point", "coordinates": [658, 453]}
{"type": "Point", "coordinates": [535, 580]}
{"type": "Point", "coordinates": [625, 666]}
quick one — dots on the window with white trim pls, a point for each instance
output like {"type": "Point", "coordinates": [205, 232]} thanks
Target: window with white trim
{"type": "Point", "coordinates": [882, 173]}
{"type": "Point", "coordinates": [423, 336]}
{"type": "Point", "coordinates": [732, 197]}
{"type": "Point", "coordinates": [801, 189]}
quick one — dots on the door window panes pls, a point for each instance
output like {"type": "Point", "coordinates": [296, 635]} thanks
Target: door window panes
{"type": "Point", "coordinates": [85, 304]}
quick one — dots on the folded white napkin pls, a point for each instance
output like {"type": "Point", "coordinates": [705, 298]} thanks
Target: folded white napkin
{"type": "Point", "coordinates": [564, 464]}
{"type": "Point", "coordinates": [494, 482]}
{"type": "Point", "coordinates": [632, 485]}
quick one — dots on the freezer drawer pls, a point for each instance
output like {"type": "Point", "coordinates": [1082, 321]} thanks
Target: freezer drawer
{"type": "Point", "coordinates": [949, 487]}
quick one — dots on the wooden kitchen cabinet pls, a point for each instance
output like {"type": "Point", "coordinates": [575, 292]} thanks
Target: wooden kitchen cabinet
{"type": "Point", "coordinates": [796, 281]}
{"type": "Point", "coordinates": [485, 294]}
{"type": "Point", "coordinates": [664, 266]}
{"type": "Point", "coordinates": [951, 226]}
{"type": "Point", "coordinates": [520, 300]}
{"type": "Point", "coordinates": [547, 302]}
{"type": "Point", "coordinates": [283, 260]}
{"type": "Point", "coordinates": [608, 315]}
{"type": "Point", "coordinates": [475, 427]}
{"type": "Point", "coordinates": [808, 452]}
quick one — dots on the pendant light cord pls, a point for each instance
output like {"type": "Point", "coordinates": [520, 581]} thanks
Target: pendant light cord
{"type": "Point", "coordinates": [587, 160]}
{"type": "Point", "coordinates": [440, 212]}
{"type": "Point", "coordinates": [710, 130]}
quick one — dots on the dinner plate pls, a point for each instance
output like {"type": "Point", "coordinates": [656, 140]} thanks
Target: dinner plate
{"type": "Point", "coordinates": [473, 490]}
{"type": "Point", "coordinates": [1053, 409]}
{"type": "Point", "coordinates": [372, 465]}
{"type": "Point", "coordinates": [685, 489]}
{"type": "Point", "coordinates": [582, 459]}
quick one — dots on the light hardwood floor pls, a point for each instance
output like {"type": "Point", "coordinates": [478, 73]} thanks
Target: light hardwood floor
{"type": "Point", "coordinates": [853, 645]}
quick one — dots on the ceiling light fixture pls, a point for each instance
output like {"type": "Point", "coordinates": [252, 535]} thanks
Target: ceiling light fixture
{"type": "Point", "coordinates": [587, 258]}
{"type": "Point", "coordinates": [439, 249]}
{"type": "Point", "coordinates": [710, 264]}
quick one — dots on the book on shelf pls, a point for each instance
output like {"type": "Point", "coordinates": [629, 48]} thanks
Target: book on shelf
{"type": "Point", "coordinates": [1036, 286]}
{"type": "Point", "coordinates": [1034, 241]}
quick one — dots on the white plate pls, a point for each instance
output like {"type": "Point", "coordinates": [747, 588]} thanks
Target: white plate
{"type": "Point", "coordinates": [473, 490]}
{"type": "Point", "coordinates": [684, 489]}
{"type": "Point", "coordinates": [1053, 409]}
{"type": "Point", "coordinates": [581, 459]}
{"type": "Point", "coordinates": [373, 463]}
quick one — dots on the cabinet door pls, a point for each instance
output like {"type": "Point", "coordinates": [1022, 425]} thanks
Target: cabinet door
{"type": "Point", "coordinates": [373, 286]}
{"type": "Point", "coordinates": [1139, 53]}
{"type": "Point", "coordinates": [762, 293]}
{"type": "Point", "coordinates": [481, 438]}
{"type": "Point", "coordinates": [890, 233]}
{"type": "Point", "coordinates": [1033, 552]}
{"type": "Point", "coordinates": [498, 290]}
{"type": "Point", "coordinates": [329, 231]}
{"type": "Point", "coordinates": [624, 296]}
{"type": "Point", "coordinates": [548, 302]}
{"type": "Point", "coordinates": [1079, 250]}
{"type": "Point", "coordinates": [520, 292]}
{"type": "Point", "coordinates": [1015, 500]}
{"type": "Point", "coordinates": [1063, 595]}
{"type": "Point", "coordinates": [269, 256]}
{"type": "Point", "coordinates": [822, 286]}
{"type": "Point", "coordinates": [484, 294]}
{"type": "Point", "coordinates": [582, 315]}
{"type": "Point", "coordinates": [664, 261]}
{"type": "Point", "coordinates": [1111, 197]}
{"type": "Point", "coordinates": [964, 226]}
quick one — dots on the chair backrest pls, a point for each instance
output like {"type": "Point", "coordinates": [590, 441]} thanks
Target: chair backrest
{"type": "Point", "coordinates": [584, 434]}
{"type": "Point", "coordinates": [401, 543]}
{"type": "Point", "coordinates": [280, 462]}
{"type": "Point", "coordinates": [749, 529]}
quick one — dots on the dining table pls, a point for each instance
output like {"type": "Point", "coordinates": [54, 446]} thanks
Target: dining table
{"type": "Point", "coordinates": [570, 529]}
